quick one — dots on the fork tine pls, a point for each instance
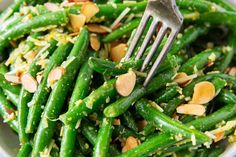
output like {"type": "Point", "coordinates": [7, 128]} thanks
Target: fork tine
{"type": "Point", "coordinates": [147, 38]}
{"type": "Point", "coordinates": [155, 45]}
{"type": "Point", "coordinates": [160, 57]}
{"type": "Point", "coordinates": [137, 35]}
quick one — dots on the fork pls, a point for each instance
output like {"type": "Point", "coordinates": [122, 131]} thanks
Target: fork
{"type": "Point", "coordinates": [167, 17]}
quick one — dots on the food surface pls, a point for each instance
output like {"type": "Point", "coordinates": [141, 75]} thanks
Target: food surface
{"type": "Point", "coordinates": [65, 90]}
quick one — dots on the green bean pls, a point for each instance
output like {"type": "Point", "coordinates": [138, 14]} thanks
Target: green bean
{"type": "Point", "coordinates": [10, 10]}
{"type": "Point", "coordinates": [90, 132]}
{"type": "Point", "coordinates": [227, 97]}
{"type": "Point", "coordinates": [167, 94]}
{"type": "Point", "coordinates": [200, 61]}
{"type": "Point", "coordinates": [7, 111]}
{"type": "Point", "coordinates": [103, 139]}
{"type": "Point", "coordinates": [215, 152]}
{"type": "Point", "coordinates": [14, 98]}
{"type": "Point", "coordinates": [224, 4]}
{"type": "Point", "coordinates": [15, 89]}
{"type": "Point", "coordinates": [123, 30]}
{"type": "Point", "coordinates": [121, 131]}
{"type": "Point", "coordinates": [121, 105]}
{"type": "Point", "coordinates": [80, 91]}
{"type": "Point", "coordinates": [110, 68]}
{"type": "Point", "coordinates": [55, 18]}
{"type": "Point", "coordinates": [227, 18]}
{"type": "Point", "coordinates": [148, 129]}
{"type": "Point", "coordinates": [166, 124]}
{"type": "Point", "coordinates": [128, 120]}
{"type": "Point", "coordinates": [228, 56]}
{"type": "Point", "coordinates": [25, 150]}
{"type": "Point", "coordinates": [25, 97]}
{"type": "Point", "coordinates": [189, 36]}
{"type": "Point", "coordinates": [12, 21]}
{"type": "Point", "coordinates": [199, 5]}
{"type": "Point", "coordinates": [111, 11]}
{"type": "Point", "coordinates": [40, 96]}
{"type": "Point", "coordinates": [100, 96]}
{"type": "Point", "coordinates": [83, 145]}
{"type": "Point", "coordinates": [58, 95]}
{"type": "Point", "coordinates": [161, 141]}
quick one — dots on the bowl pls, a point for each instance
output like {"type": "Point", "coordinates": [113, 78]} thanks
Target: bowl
{"type": "Point", "coordinates": [9, 143]}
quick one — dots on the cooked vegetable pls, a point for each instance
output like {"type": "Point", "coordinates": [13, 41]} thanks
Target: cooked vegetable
{"type": "Point", "coordinates": [66, 91]}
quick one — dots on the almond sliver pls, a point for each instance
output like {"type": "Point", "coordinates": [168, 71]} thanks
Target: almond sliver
{"type": "Point", "coordinates": [191, 109]}
{"type": "Point", "coordinates": [52, 7]}
{"type": "Point", "coordinates": [77, 21]}
{"type": "Point", "coordinates": [89, 9]}
{"type": "Point", "coordinates": [94, 28]}
{"type": "Point", "coordinates": [219, 136]}
{"type": "Point", "coordinates": [118, 52]}
{"type": "Point", "coordinates": [29, 83]}
{"type": "Point", "coordinates": [55, 75]}
{"type": "Point", "coordinates": [125, 83]}
{"type": "Point", "coordinates": [94, 42]}
{"type": "Point", "coordinates": [183, 79]}
{"type": "Point", "coordinates": [130, 143]}
{"type": "Point", "coordinates": [203, 93]}
{"type": "Point", "coordinates": [232, 71]}
{"type": "Point", "coordinates": [12, 78]}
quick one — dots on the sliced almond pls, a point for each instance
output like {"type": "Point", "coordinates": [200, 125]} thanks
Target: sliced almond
{"type": "Point", "coordinates": [118, 52]}
{"type": "Point", "coordinates": [52, 7]}
{"type": "Point", "coordinates": [130, 143]}
{"type": "Point", "coordinates": [125, 83]}
{"type": "Point", "coordinates": [94, 28]}
{"type": "Point", "coordinates": [94, 42]}
{"type": "Point", "coordinates": [89, 9]}
{"type": "Point", "coordinates": [77, 21]}
{"type": "Point", "coordinates": [191, 109]}
{"type": "Point", "coordinates": [12, 78]}
{"type": "Point", "coordinates": [55, 75]}
{"type": "Point", "coordinates": [219, 136]}
{"type": "Point", "coordinates": [29, 83]}
{"type": "Point", "coordinates": [232, 71]}
{"type": "Point", "coordinates": [116, 122]}
{"type": "Point", "coordinates": [183, 79]}
{"type": "Point", "coordinates": [203, 93]}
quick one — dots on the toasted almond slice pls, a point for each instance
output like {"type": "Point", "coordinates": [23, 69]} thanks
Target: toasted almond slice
{"type": "Point", "coordinates": [130, 143]}
{"type": "Point", "coordinates": [125, 83]}
{"type": "Point", "coordinates": [89, 9]}
{"type": "Point", "coordinates": [219, 136]}
{"type": "Point", "coordinates": [52, 7]}
{"type": "Point", "coordinates": [12, 78]}
{"type": "Point", "coordinates": [118, 52]}
{"type": "Point", "coordinates": [94, 28]}
{"type": "Point", "coordinates": [191, 109]}
{"type": "Point", "coordinates": [183, 79]}
{"type": "Point", "coordinates": [29, 83]}
{"type": "Point", "coordinates": [116, 121]}
{"type": "Point", "coordinates": [55, 75]}
{"type": "Point", "coordinates": [232, 71]}
{"type": "Point", "coordinates": [94, 42]}
{"type": "Point", "coordinates": [77, 21]}
{"type": "Point", "coordinates": [203, 93]}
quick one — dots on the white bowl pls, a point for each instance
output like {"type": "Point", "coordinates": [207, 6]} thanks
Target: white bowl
{"type": "Point", "coordinates": [9, 143]}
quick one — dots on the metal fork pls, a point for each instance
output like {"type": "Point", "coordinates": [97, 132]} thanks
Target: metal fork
{"type": "Point", "coordinates": [168, 18]}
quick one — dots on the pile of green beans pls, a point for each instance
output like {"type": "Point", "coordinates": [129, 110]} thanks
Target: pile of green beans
{"type": "Point", "coordinates": [71, 105]}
